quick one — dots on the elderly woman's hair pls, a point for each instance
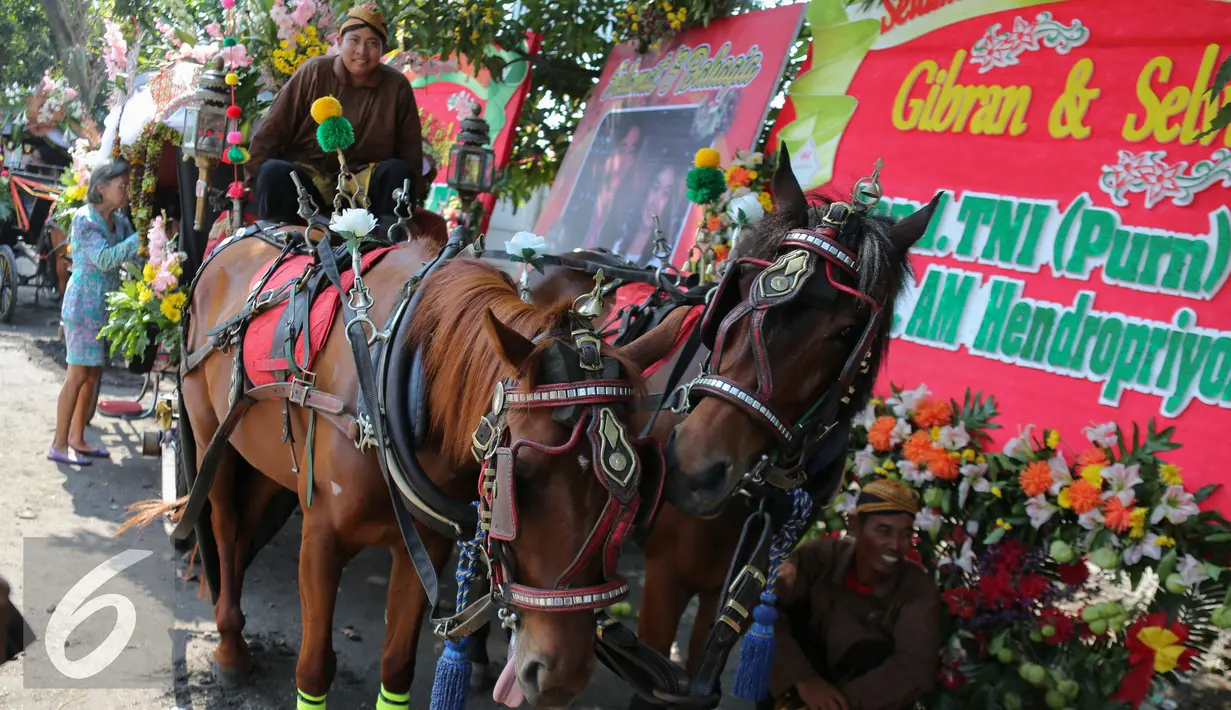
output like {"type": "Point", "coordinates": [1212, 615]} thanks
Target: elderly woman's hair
{"type": "Point", "coordinates": [104, 172]}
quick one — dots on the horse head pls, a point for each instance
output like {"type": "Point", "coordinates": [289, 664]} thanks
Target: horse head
{"type": "Point", "coordinates": [564, 480]}
{"type": "Point", "coordinates": [797, 328]}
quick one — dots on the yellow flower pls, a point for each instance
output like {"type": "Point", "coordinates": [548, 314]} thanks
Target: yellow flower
{"type": "Point", "coordinates": [1138, 519]}
{"type": "Point", "coordinates": [1000, 523]}
{"type": "Point", "coordinates": [1063, 499]}
{"type": "Point", "coordinates": [751, 173]}
{"type": "Point", "coordinates": [314, 51]}
{"type": "Point", "coordinates": [177, 270]}
{"type": "Point", "coordinates": [300, 38]}
{"type": "Point", "coordinates": [968, 455]}
{"type": "Point", "coordinates": [1166, 645]}
{"type": "Point", "coordinates": [935, 433]}
{"type": "Point", "coordinates": [1164, 541]}
{"type": "Point", "coordinates": [766, 201]}
{"type": "Point", "coordinates": [889, 465]}
{"type": "Point", "coordinates": [474, 36]}
{"type": "Point", "coordinates": [980, 459]}
{"type": "Point", "coordinates": [283, 44]}
{"type": "Point", "coordinates": [172, 314]}
{"type": "Point", "coordinates": [148, 273]}
{"type": "Point", "coordinates": [996, 492]}
{"type": "Point", "coordinates": [675, 25]}
{"type": "Point", "coordinates": [636, 27]}
{"type": "Point", "coordinates": [1170, 473]}
{"type": "Point", "coordinates": [1093, 474]}
{"type": "Point", "coordinates": [1053, 439]}
{"type": "Point", "coordinates": [875, 401]}
{"type": "Point", "coordinates": [177, 299]}
{"type": "Point", "coordinates": [683, 12]}
{"type": "Point", "coordinates": [879, 470]}
{"type": "Point", "coordinates": [144, 294]}
{"type": "Point", "coordinates": [310, 30]}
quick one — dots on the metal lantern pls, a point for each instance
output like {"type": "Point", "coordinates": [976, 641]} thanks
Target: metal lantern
{"type": "Point", "coordinates": [205, 129]}
{"type": "Point", "coordinates": [472, 164]}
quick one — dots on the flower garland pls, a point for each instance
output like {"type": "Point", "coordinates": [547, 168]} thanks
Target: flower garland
{"type": "Point", "coordinates": [650, 23]}
{"type": "Point", "coordinates": [730, 199]}
{"type": "Point", "coordinates": [144, 158]}
{"type": "Point", "coordinates": [1012, 537]}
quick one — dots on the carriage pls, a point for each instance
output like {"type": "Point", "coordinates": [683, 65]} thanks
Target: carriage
{"type": "Point", "coordinates": [32, 244]}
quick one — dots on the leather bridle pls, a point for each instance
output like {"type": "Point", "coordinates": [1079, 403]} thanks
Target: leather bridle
{"type": "Point", "coordinates": [622, 465]}
{"type": "Point", "coordinates": [804, 256]}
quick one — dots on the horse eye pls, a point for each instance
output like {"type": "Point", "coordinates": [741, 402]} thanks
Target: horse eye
{"type": "Point", "coordinates": [847, 335]}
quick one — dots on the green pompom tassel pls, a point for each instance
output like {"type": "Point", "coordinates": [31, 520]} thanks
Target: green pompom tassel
{"type": "Point", "coordinates": [228, 42]}
{"type": "Point", "coordinates": [706, 185]}
{"type": "Point", "coordinates": [335, 134]}
{"type": "Point", "coordinates": [237, 155]}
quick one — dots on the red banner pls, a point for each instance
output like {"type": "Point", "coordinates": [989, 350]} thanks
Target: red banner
{"type": "Point", "coordinates": [1077, 269]}
{"type": "Point", "coordinates": [645, 121]}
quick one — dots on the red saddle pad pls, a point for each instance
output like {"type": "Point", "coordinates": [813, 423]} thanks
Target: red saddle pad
{"type": "Point", "coordinates": [258, 339]}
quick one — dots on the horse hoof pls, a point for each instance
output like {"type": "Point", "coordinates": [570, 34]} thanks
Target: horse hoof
{"type": "Point", "coordinates": [231, 677]}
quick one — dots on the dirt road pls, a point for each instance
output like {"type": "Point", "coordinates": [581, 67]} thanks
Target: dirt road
{"type": "Point", "coordinates": [40, 498]}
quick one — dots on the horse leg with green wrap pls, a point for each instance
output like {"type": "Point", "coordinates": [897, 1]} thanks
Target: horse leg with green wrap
{"type": "Point", "coordinates": [405, 608]}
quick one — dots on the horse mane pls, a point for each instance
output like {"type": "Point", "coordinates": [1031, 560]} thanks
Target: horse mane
{"type": "Point", "coordinates": [461, 363]}
{"type": "Point", "coordinates": [882, 271]}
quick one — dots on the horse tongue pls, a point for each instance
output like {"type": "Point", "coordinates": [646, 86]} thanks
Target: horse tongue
{"type": "Point", "coordinates": [508, 690]}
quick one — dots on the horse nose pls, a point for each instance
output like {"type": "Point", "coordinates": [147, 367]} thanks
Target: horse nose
{"type": "Point", "coordinates": [530, 674]}
{"type": "Point", "coordinates": [549, 683]}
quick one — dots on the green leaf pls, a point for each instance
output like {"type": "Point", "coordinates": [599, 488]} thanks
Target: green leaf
{"type": "Point", "coordinates": [994, 536]}
{"type": "Point", "coordinates": [1167, 566]}
{"type": "Point", "coordinates": [1212, 570]}
{"type": "Point", "coordinates": [1205, 492]}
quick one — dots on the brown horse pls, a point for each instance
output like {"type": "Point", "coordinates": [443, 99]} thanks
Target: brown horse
{"type": "Point", "coordinates": [805, 341]}
{"type": "Point", "coordinates": [474, 332]}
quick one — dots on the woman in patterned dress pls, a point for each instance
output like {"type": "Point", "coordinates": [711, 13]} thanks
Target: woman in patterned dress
{"type": "Point", "coordinates": [102, 241]}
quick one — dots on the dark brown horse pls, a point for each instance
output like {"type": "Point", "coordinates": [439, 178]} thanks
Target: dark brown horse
{"type": "Point", "coordinates": [803, 343]}
{"type": "Point", "coordinates": [474, 332]}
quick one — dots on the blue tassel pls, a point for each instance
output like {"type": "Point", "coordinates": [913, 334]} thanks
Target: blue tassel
{"type": "Point", "coordinates": [756, 658]}
{"type": "Point", "coordinates": [452, 677]}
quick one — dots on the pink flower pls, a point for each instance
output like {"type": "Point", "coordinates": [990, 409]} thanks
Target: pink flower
{"type": "Point", "coordinates": [236, 56]}
{"type": "Point", "coordinates": [163, 280]}
{"type": "Point", "coordinates": [302, 15]}
{"type": "Point", "coordinates": [214, 30]}
{"type": "Point", "coordinates": [115, 53]}
{"type": "Point", "coordinates": [286, 26]}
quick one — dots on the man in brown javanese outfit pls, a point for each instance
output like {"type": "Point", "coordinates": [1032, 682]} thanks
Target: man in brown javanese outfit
{"type": "Point", "coordinates": [377, 100]}
{"type": "Point", "coordinates": [861, 628]}
{"type": "Point", "coordinates": [14, 631]}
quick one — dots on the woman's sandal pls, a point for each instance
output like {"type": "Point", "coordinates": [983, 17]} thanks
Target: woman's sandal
{"type": "Point", "coordinates": [99, 453]}
{"type": "Point", "coordinates": [53, 455]}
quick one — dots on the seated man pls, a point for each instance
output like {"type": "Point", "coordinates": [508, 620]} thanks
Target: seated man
{"type": "Point", "coordinates": [15, 633]}
{"type": "Point", "coordinates": [861, 624]}
{"type": "Point", "coordinates": [376, 99]}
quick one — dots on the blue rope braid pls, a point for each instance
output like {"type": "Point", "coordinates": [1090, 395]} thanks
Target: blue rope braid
{"type": "Point", "coordinates": [452, 682]}
{"type": "Point", "coordinates": [757, 655]}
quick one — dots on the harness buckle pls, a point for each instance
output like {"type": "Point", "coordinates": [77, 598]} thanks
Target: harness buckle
{"type": "Point", "coordinates": [483, 439]}
{"type": "Point", "coordinates": [301, 385]}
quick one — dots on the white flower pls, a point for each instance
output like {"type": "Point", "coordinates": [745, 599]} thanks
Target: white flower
{"type": "Point", "coordinates": [954, 437]}
{"type": "Point", "coordinates": [912, 474]}
{"type": "Point", "coordinates": [1177, 506]}
{"type": "Point", "coordinates": [1039, 510]}
{"type": "Point", "coordinates": [972, 478]}
{"type": "Point", "coordinates": [1019, 446]}
{"type": "Point", "coordinates": [746, 209]}
{"type": "Point", "coordinates": [1123, 480]}
{"type": "Point", "coordinates": [1091, 519]}
{"type": "Point", "coordinates": [972, 527]}
{"type": "Point", "coordinates": [900, 432]}
{"type": "Point", "coordinates": [1192, 571]}
{"type": "Point", "coordinates": [845, 503]}
{"type": "Point", "coordinates": [1104, 435]}
{"type": "Point", "coordinates": [1060, 474]}
{"type": "Point", "coordinates": [865, 461]}
{"type": "Point", "coordinates": [965, 558]}
{"type": "Point", "coordinates": [906, 400]}
{"type": "Point", "coordinates": [523, 242]}
{"type": "Point", "coordinates": [1148, 547]}
{"type": "Point", "coordinates": [357, 222]}
{"type": "Point", "coordinates": [865, 418]}
{"type": "Point", "coordinates": [928, 521]}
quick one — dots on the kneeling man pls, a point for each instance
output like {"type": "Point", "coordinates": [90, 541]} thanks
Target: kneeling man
{"type": "Point", "coordinates": [861, 628]}
{"type": "Point", "coordinates": [376, 99]}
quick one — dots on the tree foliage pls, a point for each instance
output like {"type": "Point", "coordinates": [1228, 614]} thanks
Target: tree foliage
{"type": "Point", "coordinates": [27, 46]}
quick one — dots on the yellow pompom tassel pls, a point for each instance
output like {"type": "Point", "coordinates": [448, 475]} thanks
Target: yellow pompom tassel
{"type": "Point", "coordinates": [232, 79]}
{"type": "Point", "coordinates": [707, 158]}
{"type": "Point", "coordinates": [325, 108]}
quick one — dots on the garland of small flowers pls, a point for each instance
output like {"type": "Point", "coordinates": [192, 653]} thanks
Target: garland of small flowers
{"type": "Point", "coordinates": [144, 157]}
{"type": "Point", "coordinates": [650, 23]}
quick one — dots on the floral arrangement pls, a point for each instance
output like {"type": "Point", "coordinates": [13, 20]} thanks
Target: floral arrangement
{"type": "Point", "coordinates": [145, 156]}
{"type": "Point", "coordinates": [650, 23]}
{"type": "Point", "coordinates": [6, 196]}
{"type": "Point", "coordinates": [149, 302]}
{"type": "Point", "coordinates": [52, 103]}
{"type": "Point", "coordinates": [285, 35]}
{"type": "Point", "coordinates": [76, 180]}
{"type": "Point", "coordinates": [730, 198]}
{"type": "Point", "coordinates": [1012, 537]}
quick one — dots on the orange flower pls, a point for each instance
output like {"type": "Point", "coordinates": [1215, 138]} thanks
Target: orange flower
{"type": "Point", "coordinates": [878, 435]}
{"type": "Point", "coordinates": [1084, 497]}
{"type": "Point", "coordinates": [1036, 479]}
{"type": "Point", "coordinates": [943, 466]}
{"type": "Point", "coordinates": [918, 448]}
{"type": "Point", "coordinates": [738, 176]}
{"type": "Point", "coordinates": [714, 223]}
{"type": "Point", "coordinates": [1116, 515]}
{"type": "Point", "coordinates": [1095, 456]}
{"type": "Point", "coordinates": [933, 412]}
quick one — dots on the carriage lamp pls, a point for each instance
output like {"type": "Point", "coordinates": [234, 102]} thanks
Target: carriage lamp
{"type": "Point", "coordinates": [472, 164]}
{"type": "Point", "coordinates": [205, 125]}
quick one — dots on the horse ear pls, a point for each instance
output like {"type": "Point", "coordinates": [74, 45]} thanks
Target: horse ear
{"type": "Point", "coordinates": [788, 195]}
{"type": "Point", "coordinates": [512, 346]}
{"type": "Point", "coordinates": [910, 229]}
{"type": "Point", "coordinates": [658, 343]}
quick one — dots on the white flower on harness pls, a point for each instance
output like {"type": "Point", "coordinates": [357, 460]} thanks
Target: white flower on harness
{"type": "Point", "coordinates": [355, 222]}
{"type": "Point", "coordinates": [525, 246]}
{"type": "Point", "coordinates": [746, 209]}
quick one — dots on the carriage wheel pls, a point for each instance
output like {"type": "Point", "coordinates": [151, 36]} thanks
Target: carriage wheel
{"type": "Point", "coordinates": [8, 284]}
